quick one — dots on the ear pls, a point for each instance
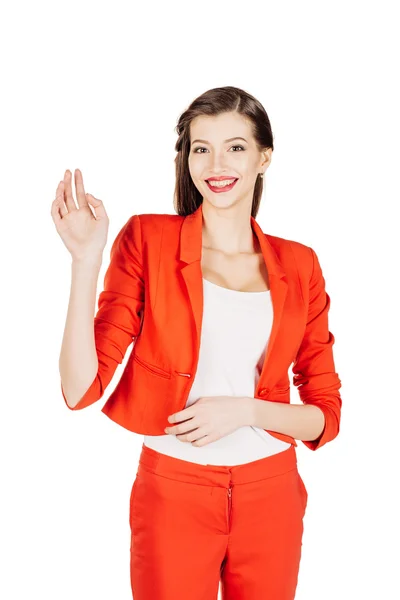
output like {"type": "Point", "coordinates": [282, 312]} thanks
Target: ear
{"type": "Point", "coordinates": [266, 158]}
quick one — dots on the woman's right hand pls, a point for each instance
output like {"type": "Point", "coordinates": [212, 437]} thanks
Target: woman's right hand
{"type": "Point", "coordinates": [84, 234]}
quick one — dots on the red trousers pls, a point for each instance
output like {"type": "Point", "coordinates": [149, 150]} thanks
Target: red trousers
{"type": "Point", "coordinates": [195, 526]}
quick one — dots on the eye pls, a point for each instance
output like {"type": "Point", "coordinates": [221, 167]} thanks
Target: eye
{"type": "Point", "coordinates": [203, 148]}
{"type": "Point", "coordinates": [199, 148]}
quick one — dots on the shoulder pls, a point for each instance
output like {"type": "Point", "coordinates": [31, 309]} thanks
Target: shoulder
{"type": "Point", "coordinates": [282, 245]}
{"type": "Point", "coordinates": [157, 219]}
{"type": "Point", "coordinates": [292, 252]}
{"type": "Point", "coordinates": [149, 224]}
{"type": "Point", "coordinates": [149, 229]}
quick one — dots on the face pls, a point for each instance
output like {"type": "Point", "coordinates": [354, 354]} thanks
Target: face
{"type": "Point", "coordinates": [223, 147]}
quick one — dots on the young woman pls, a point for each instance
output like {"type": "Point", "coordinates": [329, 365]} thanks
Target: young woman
{"type": "Point", "coordinates": [218, 312]}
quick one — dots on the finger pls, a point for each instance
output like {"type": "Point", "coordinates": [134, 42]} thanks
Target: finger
{"type": "Point", "coordinates": [68, 198]}
{"type": "Point", "coordinates": [185, 431]}
{"type": "Point", "coordinates": [182, 415]}
{"type": "Point", "coordinates": [188, 437]}
{"type": "Point", "coordinates": [203, 441]}
{"type": "Point", "coordinates": [197, 433]}
{"type": "Point", "coordinates": [203, 436]}
{"type": "Point", "coordinates": [54, 211]}
{"type": "Point", "coordinates": [57, 206]}
{"type": "Point", "coordinates": [100, 211]}
{"type": "Point", "coordinates": [80, 190]}
{"type": "Point", "coordinates": [62, 208]}
{"type": "Point", "coordinates": [183, 427]}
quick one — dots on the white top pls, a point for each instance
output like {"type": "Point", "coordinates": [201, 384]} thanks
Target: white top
{"type": "Point", "coordinates": [235, 332]}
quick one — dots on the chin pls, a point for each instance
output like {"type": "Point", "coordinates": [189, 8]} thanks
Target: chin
{"type": "Point", "coordinates": [221, 202]}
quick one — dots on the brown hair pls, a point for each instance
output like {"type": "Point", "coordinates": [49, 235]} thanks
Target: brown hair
{"type": "Point", "coordinates": [187, 197]}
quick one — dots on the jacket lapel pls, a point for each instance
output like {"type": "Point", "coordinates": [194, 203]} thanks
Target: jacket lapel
{"type": "Point", "coordinates": [191, 254]}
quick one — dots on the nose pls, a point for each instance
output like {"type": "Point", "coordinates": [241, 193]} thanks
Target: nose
{"type": "Point", "coordinates": [217, 164]}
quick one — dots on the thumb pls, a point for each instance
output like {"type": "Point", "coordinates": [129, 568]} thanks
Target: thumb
{"type": "Point", "coordinates": [97, 204]}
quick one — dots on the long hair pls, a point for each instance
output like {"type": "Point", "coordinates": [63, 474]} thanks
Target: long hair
{"type": "Point", "coordinates": [187, 197]}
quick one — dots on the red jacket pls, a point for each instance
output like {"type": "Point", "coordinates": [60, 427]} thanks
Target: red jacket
{"type": "Point", "coordinates": [153, 294]}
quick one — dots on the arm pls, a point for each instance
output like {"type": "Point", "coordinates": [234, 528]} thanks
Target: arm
{"type": "Point", "coordinates": [314, 368]}
{"type": "Point", "coordinates": [91, 351]}
{"type": "Point", "coordinates": [318, 421]}
{"type": "Point", "coordinates": [78, 359]}
{"type": "Point", "coordinates": [301, 422]}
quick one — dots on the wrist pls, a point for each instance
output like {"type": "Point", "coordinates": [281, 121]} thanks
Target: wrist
{"type": "Point", "coordinates": [93, 262]}
{"type": "Point", "coordinates": [249, 411]}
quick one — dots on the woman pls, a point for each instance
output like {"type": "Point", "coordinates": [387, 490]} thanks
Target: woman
{"type": "Point", "coordinates": [218, 311]}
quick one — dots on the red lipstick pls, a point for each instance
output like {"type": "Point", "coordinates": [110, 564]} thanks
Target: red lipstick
{"type": "Point", "coordinates": [219, 189]}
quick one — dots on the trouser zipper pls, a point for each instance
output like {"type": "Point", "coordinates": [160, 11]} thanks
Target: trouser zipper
{"type": "Point", "coordinates": [229, 492]}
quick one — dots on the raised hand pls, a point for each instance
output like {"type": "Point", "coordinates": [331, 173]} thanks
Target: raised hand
{"type": "Point", "coordinates": [83, 232]}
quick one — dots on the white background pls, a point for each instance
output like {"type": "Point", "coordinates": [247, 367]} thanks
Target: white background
{"type": "Point", "coordinates": [100, 86]}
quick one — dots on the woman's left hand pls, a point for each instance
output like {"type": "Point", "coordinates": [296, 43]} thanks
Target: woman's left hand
{"type": "Point", "coordinates": [210, 418]}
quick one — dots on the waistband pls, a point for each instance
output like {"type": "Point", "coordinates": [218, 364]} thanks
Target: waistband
{"type": "Point", "coordinates": [190, 472]}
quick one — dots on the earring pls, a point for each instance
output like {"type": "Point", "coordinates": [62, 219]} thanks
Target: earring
{"type": "Point", "coordinates": [261, 175]}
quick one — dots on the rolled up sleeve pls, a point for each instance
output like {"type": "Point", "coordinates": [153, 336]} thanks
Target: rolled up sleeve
{"type": "Point", "coordinates": [314, 367]}
{"type": "Point", "coordinates": [120, 305]}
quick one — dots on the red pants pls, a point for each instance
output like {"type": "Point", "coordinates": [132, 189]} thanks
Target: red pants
{"type": "Point", "coordinates": [194, 526]}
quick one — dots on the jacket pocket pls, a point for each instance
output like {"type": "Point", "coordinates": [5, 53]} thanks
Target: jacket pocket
{"type": "Point", "coordinates": [152, 368]}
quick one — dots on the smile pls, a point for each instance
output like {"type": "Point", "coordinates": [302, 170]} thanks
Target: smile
{"type": "Point", "coordinates": [221, 186]}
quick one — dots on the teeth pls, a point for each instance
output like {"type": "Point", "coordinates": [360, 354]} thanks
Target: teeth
{"type": "Point", "coordinates": [222, 183]}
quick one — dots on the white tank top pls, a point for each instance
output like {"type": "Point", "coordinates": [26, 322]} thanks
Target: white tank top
{"type": "Point", "coordinates": [235, 332]}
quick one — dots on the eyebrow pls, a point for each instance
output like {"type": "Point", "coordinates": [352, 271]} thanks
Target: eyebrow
{"type": "Point", "coordinates": [228, 140]}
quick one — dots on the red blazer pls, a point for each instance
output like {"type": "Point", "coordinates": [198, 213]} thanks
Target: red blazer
{"type": "Point", "coordinates": [153, 294]}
